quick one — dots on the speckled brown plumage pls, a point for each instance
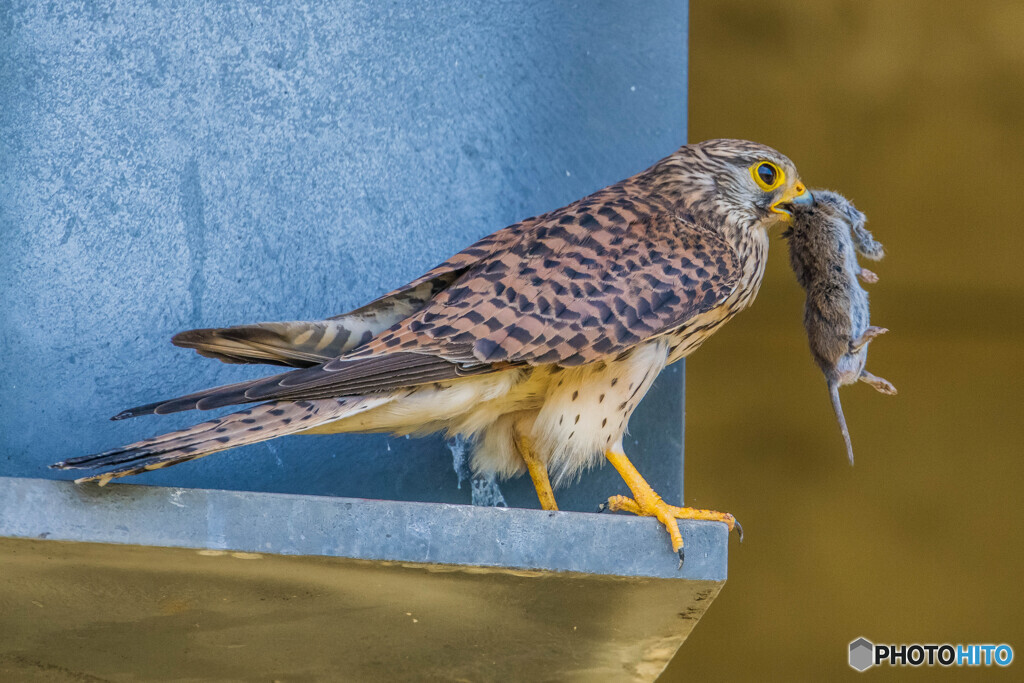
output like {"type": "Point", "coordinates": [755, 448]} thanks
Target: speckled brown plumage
{"type": "Point", "coordinates": [551, 329]}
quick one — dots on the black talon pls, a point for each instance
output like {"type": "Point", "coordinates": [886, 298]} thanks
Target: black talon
{"type": "Point", "coordinates": [682, 556]}
{"type": "Point", "coordinates": [739, 528]}
{"type": "Point", "coordinates": [602, 507]}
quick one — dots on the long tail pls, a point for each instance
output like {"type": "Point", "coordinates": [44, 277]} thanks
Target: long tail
{"type": "Point", "coordinates": [833, 390]}
{"type": "Point", "coordinates": [262, 422]}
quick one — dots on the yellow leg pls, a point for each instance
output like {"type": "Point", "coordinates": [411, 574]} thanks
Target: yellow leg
{"type": "Point", "coordinates": [538, 472]}
{"type": "Point", "coordinates": [646, 502]}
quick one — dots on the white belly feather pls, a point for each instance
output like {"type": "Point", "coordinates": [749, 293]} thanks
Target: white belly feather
{"type": "Point", "coordinates": [572, 416]}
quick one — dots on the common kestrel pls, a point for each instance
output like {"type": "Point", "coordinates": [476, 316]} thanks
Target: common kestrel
{"type": "Point", "coordinates": [536, 343]}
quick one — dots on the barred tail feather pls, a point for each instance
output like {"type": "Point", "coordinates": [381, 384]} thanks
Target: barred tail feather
{"type": "Point", "coordinates": [260, 423]}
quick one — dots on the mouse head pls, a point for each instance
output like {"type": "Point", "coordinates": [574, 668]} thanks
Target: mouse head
{"type": "Point", "coordinates": [838, 205]}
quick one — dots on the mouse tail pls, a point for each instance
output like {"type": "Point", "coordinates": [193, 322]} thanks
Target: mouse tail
{"type": "Point", "coordinates": [837, 406]}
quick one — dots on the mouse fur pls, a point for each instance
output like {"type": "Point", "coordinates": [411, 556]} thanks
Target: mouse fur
{"type": "Point", "coordinates": [824, 242]}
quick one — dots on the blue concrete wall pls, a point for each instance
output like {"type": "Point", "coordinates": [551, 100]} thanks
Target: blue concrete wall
{"type": "Point", "coordinates": [169, 165]}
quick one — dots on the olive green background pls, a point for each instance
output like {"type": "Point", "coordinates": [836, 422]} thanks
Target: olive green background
{"type": "Point", "coordinates": [914, 110]}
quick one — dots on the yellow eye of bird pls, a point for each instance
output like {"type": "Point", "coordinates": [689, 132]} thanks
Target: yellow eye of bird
{"type": "Point", "coordinates": [767, 175]}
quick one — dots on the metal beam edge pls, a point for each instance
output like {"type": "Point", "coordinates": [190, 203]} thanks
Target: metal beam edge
{"type": "Point", "coordinates": [392, 531]}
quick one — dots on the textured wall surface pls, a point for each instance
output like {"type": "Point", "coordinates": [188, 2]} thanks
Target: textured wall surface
{"type": "Point", "coordinates": [183, 164]}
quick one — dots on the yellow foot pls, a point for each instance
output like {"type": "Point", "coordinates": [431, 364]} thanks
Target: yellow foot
{"type": "Point", "coordinates": [538, 472]}
{"type": "Point", "coordinates": [668, 514]}
{"type": "Point", "coordinates": [647, 503]}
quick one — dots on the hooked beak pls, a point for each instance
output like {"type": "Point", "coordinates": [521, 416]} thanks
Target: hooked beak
{"type": "Point", "coordinates": [797, 194]}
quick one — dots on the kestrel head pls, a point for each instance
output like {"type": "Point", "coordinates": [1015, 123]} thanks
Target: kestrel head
{"type": "Point", "coordinates": [743, 182]}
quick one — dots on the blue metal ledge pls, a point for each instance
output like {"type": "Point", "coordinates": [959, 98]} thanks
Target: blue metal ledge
{"type": "Point", "coordinates": [132, 582]}
{"type": "Point", "coordinates": [355, 528]}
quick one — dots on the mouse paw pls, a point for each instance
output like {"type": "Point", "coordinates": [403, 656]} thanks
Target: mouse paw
{"type": "Point", "coordinates": [868, 335]}
{"type": "Point", "coordinates": [880, 384]}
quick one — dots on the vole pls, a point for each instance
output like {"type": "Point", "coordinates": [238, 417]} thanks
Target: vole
{"type": "Point", "coordinates": [824, 241]}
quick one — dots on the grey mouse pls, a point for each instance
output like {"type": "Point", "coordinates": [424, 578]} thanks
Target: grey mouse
{"type": "Point", "coordinates": [824, 241]}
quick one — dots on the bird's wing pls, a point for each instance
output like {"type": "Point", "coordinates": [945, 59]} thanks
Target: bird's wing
{"type": "Point", "coordinates": [576, 285]}
{"type": "Point", "coordinates": [303, 343]}
{"type": "Point", "coordinates": [333, 379]}
{"type": "Point", "coordinates": [592, 280]}
{"type": "Point", "coordinates": [313, 344]}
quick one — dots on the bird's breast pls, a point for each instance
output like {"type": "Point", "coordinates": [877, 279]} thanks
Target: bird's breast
{"type": "Point", "coordinates": [752, 251]}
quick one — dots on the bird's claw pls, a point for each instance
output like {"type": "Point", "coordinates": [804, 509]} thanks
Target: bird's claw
{"type": "Point", "coordinates": [668, 514]}
{"type": "Point", "coordinates": [682, 556]}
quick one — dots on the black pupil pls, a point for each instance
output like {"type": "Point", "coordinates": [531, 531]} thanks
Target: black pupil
{"type": "Point", "coordinates": [766, 173]}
